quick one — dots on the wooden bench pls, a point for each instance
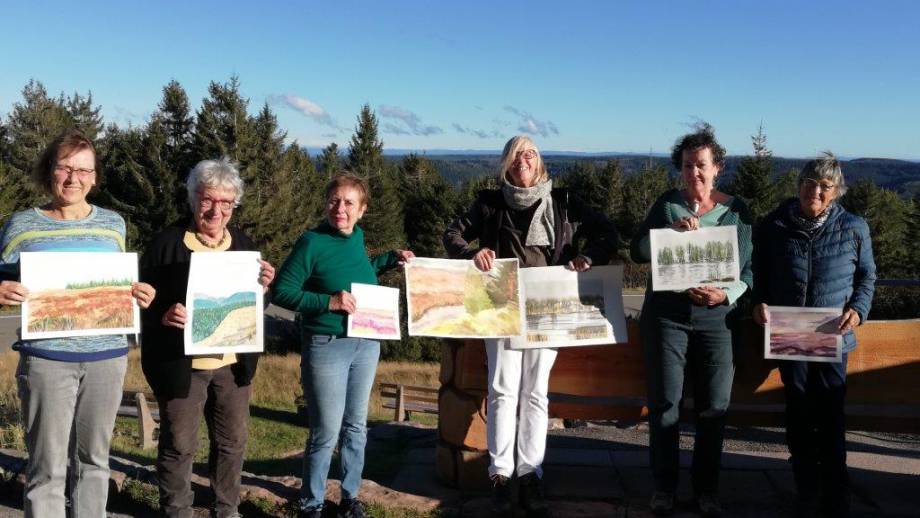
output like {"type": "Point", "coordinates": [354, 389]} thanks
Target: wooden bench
{"type": "Point", "coordinates": [409, 398]}
{"type": "Point", "coordinates": [145, 408]}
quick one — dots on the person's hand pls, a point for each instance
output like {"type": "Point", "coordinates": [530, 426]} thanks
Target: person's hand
{"type": "Point", "coordinates": [848, 320]}
{"type": "Point", "coordinates": [579, 264]}
{"type": "Point", "coordinates": [175, 316]}
{"type": "Point", "coordinates": [761, 314]}
{"type": "Point", "coordinates": [707, 296]}
{"type": "Point", "coordinates": [342, 301]}
{"type": "Point", "coordinates": [484, 259]}
{"type": "Point", "coordinates": [12, 293]}
{"type": "Point", "coordinates": [404, 256]}
{"type": "Point", "coordinates": [143, 293]}
{"type": "Point", "coordinates": [688, 223]}
{"type": "Point", "coordinates": [266, 273]}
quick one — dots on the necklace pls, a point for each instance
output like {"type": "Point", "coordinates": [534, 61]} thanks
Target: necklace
{"type": "Point", "coordinates": [208, 244]}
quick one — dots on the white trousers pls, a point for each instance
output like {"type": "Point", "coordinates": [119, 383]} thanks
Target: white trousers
{"type": "Point", "coordinates": [517, 375]}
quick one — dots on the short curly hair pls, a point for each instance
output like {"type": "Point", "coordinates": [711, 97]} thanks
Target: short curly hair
{"type": "Point", "coordinates": [704, 136]}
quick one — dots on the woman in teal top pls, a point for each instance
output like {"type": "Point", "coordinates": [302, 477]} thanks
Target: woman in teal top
{"type": "Point", "coordinates": [337, 372]}
{"type": "Point", "coordinates": [691, 326]}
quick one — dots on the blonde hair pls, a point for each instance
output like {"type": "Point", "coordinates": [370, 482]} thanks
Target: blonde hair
{"type": "Point", "coordinates": [509, 154]}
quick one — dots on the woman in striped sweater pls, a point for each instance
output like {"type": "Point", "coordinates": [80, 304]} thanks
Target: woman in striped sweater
{"type": "Point", "coordinates": [70, 387]}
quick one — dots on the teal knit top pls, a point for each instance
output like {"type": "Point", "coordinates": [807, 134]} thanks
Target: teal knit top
{"type": "Point", "coordinates": [672, 206]}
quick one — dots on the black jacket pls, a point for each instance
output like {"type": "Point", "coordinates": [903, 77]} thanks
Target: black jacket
{"type": "Point", "coordinates": [573, 223]}
{"type": "Point", "coordinates": [165, 266]}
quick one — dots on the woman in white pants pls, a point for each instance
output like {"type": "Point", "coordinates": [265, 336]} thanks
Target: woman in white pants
{"type": "Point", "coordinates": [525, 218]}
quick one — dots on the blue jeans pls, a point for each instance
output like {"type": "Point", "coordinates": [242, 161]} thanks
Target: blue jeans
{"type": "Point", "coordinates": [68, 412]}
{"type": "Point", "coordinates": [337, 376]}
{"type": "Point", "coordinates": [677, 334]}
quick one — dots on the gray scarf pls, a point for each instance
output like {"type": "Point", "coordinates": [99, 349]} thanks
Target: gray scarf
{"type": "Point", "coordinates": [809, 225]}
{"type": "Point", "coordinates": [541, 231]}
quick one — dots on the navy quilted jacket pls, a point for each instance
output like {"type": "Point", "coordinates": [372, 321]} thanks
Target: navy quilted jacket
{"type": "Point", "coordinates": [832, 268]}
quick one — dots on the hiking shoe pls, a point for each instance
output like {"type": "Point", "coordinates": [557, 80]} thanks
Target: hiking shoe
{"type": "Point", "coordinates": [662, 503]}
{"type": "Point", "coordinates": [531, 495]}
{"type": "Point", "coordinates": [501, 496]}
{"type": "Point", "coordinates": [351, 508]}
{"type": "Point", "coordinates": [709, 505]}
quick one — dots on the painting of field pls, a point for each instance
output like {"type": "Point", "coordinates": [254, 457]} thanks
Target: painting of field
{"type": "Point", "coordinates": [224, 321]}
{"type": "Point", "coordinates": [452, 298]}
{"type": "Point", "coordinates": [377, 313]}
{"type": "Point", "coordinates": [90, 296]}
{"type": "Point", "coordinates": [566, 308]}
{"type": "Point", "coordinates": [224, 304]}
{"type": "Point", "coordinates": [703, 257]}
{"type": "Point", "coordinates": [808, 334]}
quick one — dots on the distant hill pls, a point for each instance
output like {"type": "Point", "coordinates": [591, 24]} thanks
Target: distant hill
{"type": "Point", "coordinates": [899, 175]}
{"type": "Point", "coordinates": [205, 302]}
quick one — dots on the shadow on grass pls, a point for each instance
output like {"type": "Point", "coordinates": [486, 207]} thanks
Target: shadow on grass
{"type": "Point", "coordinates": [280, 416]}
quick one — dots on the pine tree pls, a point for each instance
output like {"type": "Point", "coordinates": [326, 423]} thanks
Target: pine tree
{"type": "Point", "coordinates": [754, 180]}
{"type": "Point", "coordinates": [170, 145]}
{"type": "Point", "coordinates": [330, 162]}
{"type": "Point", "coordinates": [639, 193]}
{"type": "Point", "coordinates": [260, 161]}
{"type": "Point", "coordinates": [382, 222]}
{"type": "Point", "coordinates": [222, 124]}
{"type": "Point", "coordinates": [429, 203]}
{"type": "Point", "coordinates": [787, 185]}
{"type": "Point", "coordinates": [296, 203]}
{"type": "Point", "coordinates": [365, 155]}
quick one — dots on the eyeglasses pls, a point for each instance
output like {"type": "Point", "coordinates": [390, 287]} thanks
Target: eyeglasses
{"type": "Point", "coordinates": [810, 183]}
{"type": "Point", "coordinates": [66, 170]}
{"type": "Point", "coordinates": [529, 154]}
{"type": "Point", "coordinates": [224, 205]}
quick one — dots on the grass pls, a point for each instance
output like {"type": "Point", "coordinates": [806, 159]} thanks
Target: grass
{"type": "Point", "coordinates": [276, 435]}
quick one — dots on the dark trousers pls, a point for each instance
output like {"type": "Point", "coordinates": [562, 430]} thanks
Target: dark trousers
{"type": "Point", "coordinates": [678, 335]}
{"type": "Point", "coordinates": [225, 406]}
{"type": "Point", "coordinates": [816, 428]}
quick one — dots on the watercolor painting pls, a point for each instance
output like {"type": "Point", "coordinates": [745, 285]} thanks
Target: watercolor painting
{"type": "Point", "coordinates": [78, 294]}
{"type": "Point", "coordinates": [224, 304]}
{"type": "Point", "coordinates": [808, 334]}
{"type": "Point", "coordinates": [690, 259]}
{"type": "Point", "coordinates": [452, 298]}
{"type": "Point", "coordinates": [377, 313]}
{"type": "Point", "coordinates": [564, 308]}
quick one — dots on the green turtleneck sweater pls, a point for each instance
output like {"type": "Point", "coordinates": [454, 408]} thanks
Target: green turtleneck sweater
{"type": "Point", "coordinates": [324, 262]}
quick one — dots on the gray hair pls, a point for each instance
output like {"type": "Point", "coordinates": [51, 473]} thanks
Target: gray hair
{"type": "Point", "coordinates": [825, 167]}
{"type": "Point", "coordinates": [217, 174]}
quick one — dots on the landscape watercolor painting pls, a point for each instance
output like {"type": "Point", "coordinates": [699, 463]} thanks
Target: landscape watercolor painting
{"type": "Point", "coordinates": [377, 313]}
{"type": "Point", "coordinates": [453, 299]}
{"type": "Point", "coordinates": [808, 334]}
{"type": "Point", "coordinates": [78, 294]}
{"type": "Point", "coordinates": [224, 304]}
{"type": "Point", "coordinates": [564, 308]}
{"type": "Point", "coordinates": [704, 257]}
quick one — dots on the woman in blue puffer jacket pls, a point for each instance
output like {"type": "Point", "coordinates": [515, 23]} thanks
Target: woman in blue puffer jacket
{"type": "Point", "coordinates": [810, 252]}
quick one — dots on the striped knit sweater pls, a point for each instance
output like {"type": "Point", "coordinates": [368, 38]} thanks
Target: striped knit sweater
{"type": "Point", "coordinates": [32, 231]}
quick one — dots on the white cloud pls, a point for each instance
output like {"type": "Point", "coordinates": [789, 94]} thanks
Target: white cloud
{"type": "Point", "coordinates": [527, 123]}
{"type": "Point", "coordinates": [307, 108]}
{"type": "Point", "coordinates": [407, 123]}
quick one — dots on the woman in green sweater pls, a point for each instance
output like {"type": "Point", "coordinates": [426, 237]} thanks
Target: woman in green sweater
{"type": "Point", "coordinates": [337, 372]}
{"type": "Point", "coordinates": [691, 326]}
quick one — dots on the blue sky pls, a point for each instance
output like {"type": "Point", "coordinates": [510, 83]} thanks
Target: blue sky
{"type": "Point", "coordinates": [578, 75]}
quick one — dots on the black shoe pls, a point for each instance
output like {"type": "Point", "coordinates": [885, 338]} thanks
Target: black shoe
{"type": "Point", "coordinates": [501, 496]}
{"type": "Point", "coordinates": [351, 508]}
{"type": "Point", "coordinates": [531, 495]}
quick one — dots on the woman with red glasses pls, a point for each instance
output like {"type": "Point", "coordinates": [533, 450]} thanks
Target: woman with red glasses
{"type": "Point", "coordinates": [217, 386]}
